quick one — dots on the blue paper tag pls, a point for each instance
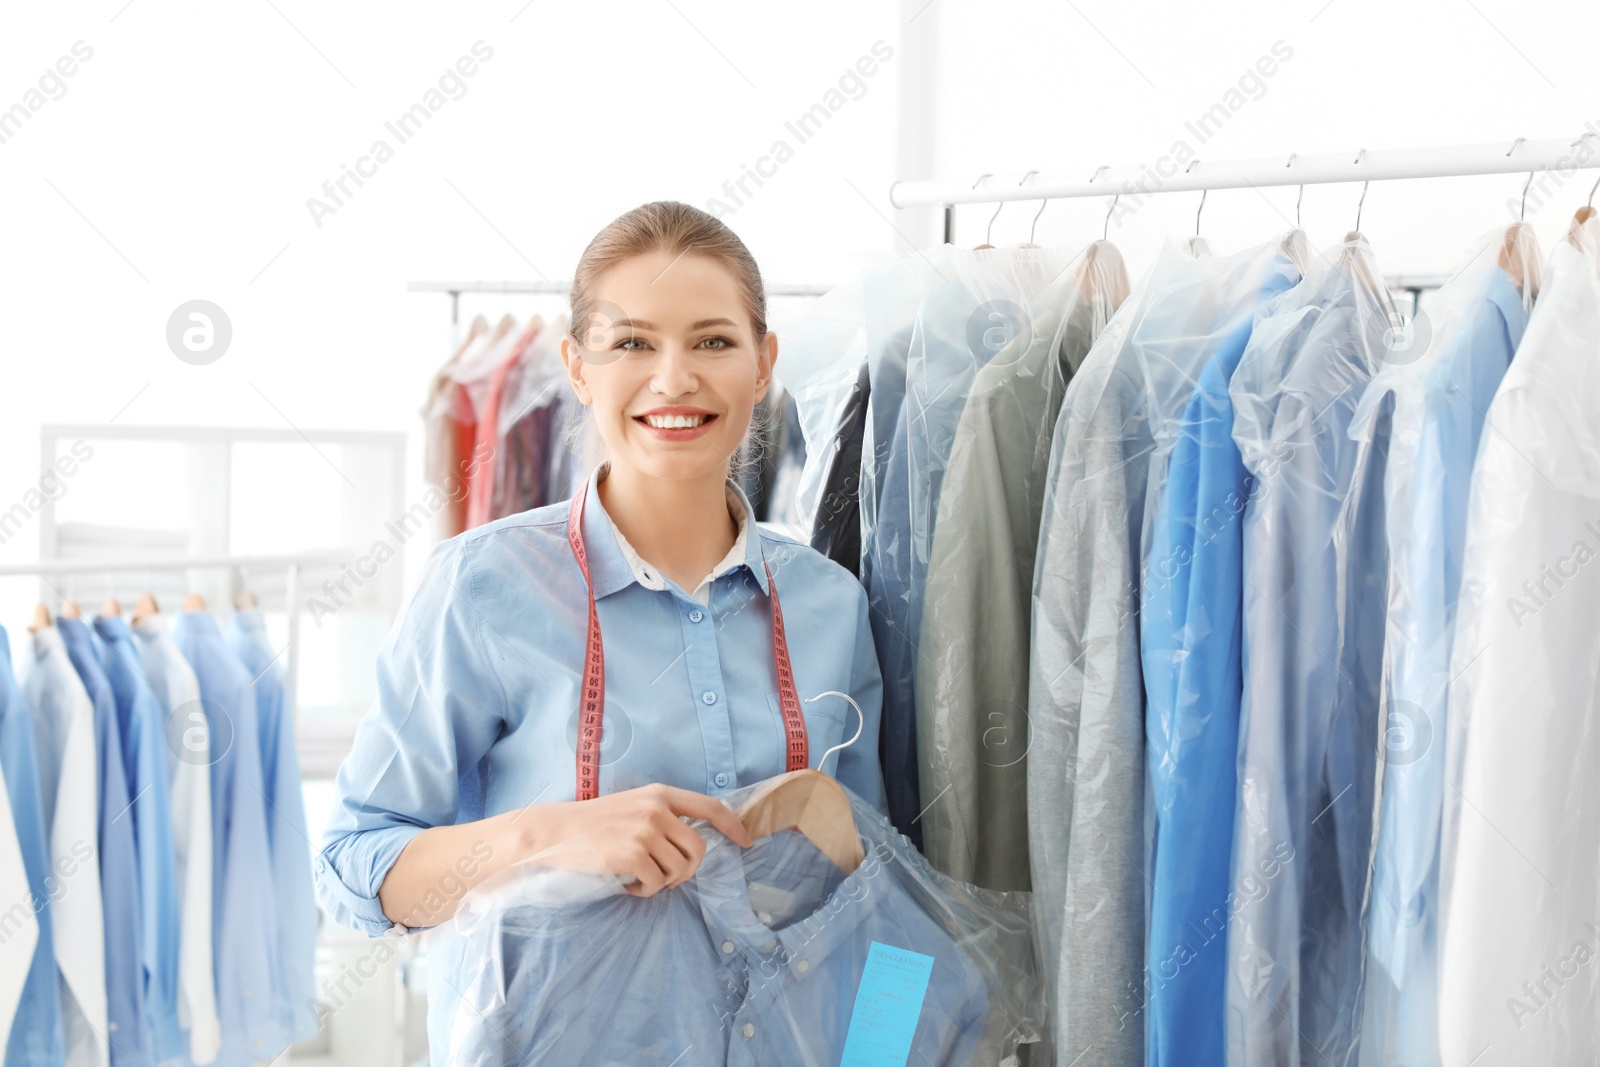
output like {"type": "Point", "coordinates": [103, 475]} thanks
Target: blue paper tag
{"type": "Point", "coordinates": [888, 1005]}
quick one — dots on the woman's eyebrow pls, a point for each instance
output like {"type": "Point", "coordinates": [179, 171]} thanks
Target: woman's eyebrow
{"type": "Point", "coordinates": [641, 324]}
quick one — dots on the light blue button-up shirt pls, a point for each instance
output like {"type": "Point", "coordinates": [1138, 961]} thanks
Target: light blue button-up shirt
{"type": "Point", "coordinates": [478, 685]}
{"type": "Point", "coordinates": [768, 951]}
{"type": "Point", "coordinates": [120, 891]}
{"type": "Point", "coordinates": [244, 917]}
{"type": "Point", "coordinates": [1315, 574]}
{"type": "Point", "coordinates": [1190, 633]}
{"type": "Point", "coordinates": [1440, 405]}
{"type": "Point", "coordinates": [35, 1039]}
{"type": "Point", "coordinates": [286, 827]}
{"type": "Point", "coordinates": [141, 723]}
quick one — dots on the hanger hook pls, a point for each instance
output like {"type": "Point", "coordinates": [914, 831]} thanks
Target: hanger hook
{"type": "Point", "coordinates": [1522, 213]}
{"type": "Point", "coordinates": [1105, 231]}
{"type": "Point", "coordinates": [1035, 225]}
{"type": "Point", "coordinates": [988, 233]}
{"type": "Point", "coordinates": [1360, 202]}
{"type": "Point", "coordinates": [1360, 154]}
{"type": "Point", "coordinates": [861, 723]}
{"type": "Point", "coordinates": [981, 177]}
{"type": "Point", "coordinates": [1518, 141]}
{"type": "Point", "coordinates": [1199, 209]}
{"type": "Point", "coordinates": [1592, 191]}
{"type": "Point", "coordinates": [1302, 195]}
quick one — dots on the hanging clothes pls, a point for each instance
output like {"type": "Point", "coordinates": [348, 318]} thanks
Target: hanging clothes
{"type": "Point", "coordinates": [142, 727]}
{"type": "Point", "coordinates": [244, 911]}
{"type": "Point", "coordinates": [836, 527]}
{"type": "Point", "coordinates": [1315, 574]}
{"type": "Point", "coordinates": [38, 1039]}
{"type": "Point", "coordinates": [489, 432]}
{"type": "Point", "coordinates": [22, 923]}
{"type": "Point", "coordinates": [1440, 399]}
{"type": "Point", "coordinates": [1521, 861]}
{"type": "Point", "coordinates": [1190, 618]}
{"type": "Point", "coordinates": [128, 1034]}
{"type": "Point", "coordinates": [972, 666]}
{"type": "Point", "coordinates": [526, 422]}
{"type": "Point", "coordinates": [188, 735]}
{"type": "Point", "coordinates": [294, 901]}
{"type": "Point", "coordinates": [69, 789]}
{"type": "Point", "coordinates": [779, 958]}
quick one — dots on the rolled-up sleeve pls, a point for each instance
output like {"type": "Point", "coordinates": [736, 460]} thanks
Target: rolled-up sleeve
{"type": "Point", "coordinates": [859, 766]}
{"type": "Point", "coordinates": [440, 707]}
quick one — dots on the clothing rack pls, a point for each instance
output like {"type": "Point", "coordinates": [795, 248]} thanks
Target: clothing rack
{"type": "Point", "coordinates": [549, 288]}
{"type": "Point", "coordinates": [292, 564]}
{"type": "Point", "coordinates": [1521, 156]}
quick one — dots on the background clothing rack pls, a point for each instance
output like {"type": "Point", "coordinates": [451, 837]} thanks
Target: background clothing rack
{"type": "Point", "coordinates": [291, 564]}
{"type": "Point", "coordinates": [1520, 157]}
{"type": "Point", "coordinates": [549, 288]}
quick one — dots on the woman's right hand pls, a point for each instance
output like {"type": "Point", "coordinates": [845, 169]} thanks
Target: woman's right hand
{"type": "Point", "coordinates": [637, 833]}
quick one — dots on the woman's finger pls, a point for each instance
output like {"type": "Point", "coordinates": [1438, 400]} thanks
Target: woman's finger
{"type": "Point", "coordinates": [699, 806]}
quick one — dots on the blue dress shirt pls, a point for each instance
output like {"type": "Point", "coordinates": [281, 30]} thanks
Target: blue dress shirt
{"type": "Point", "coordinates": [1440, 407]}
{"type": "Point", "coordinates": [1315, 581]}
{"type": "Point", "coordinates": [292, 889]}
{"type": "Point", "coordinates": [478, 684]}
{"type": "Point", "coordinates": [1190, 633]}
{"type": "Point", "coordinates": [141, 723]}
{"type": "Point", "coordinates": [244, 917]}
{"type": "Point", "coordinates": [35, 1039]}
{"type": "Point", "coordinates": [766, 948]}
{"type": "Point", "coordinates": [120, 890]}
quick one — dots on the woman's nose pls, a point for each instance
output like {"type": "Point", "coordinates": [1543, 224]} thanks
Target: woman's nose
{"type": "Point", "coordinates": [673, 373]}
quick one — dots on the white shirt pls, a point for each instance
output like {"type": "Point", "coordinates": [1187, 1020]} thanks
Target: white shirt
{"type": "Point", "coordinates": [189, 768]}
{"type": "Point", "coordinates": [651, 578]}
{"type": "Point", "coordinates": [68, 772]}
{"type": "Point", "coordinates": [16, 949]}
{"type": "Point", "coordinates": [1519, 977]}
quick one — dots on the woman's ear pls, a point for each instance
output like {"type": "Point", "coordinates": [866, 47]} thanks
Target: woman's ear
{"type": "Point", "coordinates": [572, 359]}
{"type": "Point", "coordinates": [766, 359]}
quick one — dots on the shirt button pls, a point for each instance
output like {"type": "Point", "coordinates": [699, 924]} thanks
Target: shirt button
{"type": "Point", "coordinates": [696, 615]}
{"type": "Point", "coordinates": [709, 697]}
{"type": "Point", "coordinates": [803, 966]}
{"type": "Point", "coordinates": [112, 1027]}
{"type": "Point", "coordinates": [727, 948]}
{"type": "Point", "coordinates": [721, 779]}
{"type": "Point", "coordinates": [749, 1030]}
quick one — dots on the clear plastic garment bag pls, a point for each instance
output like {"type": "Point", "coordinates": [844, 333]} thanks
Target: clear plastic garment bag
{"type": "Point", "coordinates": [1440, 383]}
{"type": "Point", "coordinates": [1519, 977]}
{"type": "Point", "coordinates": [1315, 582]}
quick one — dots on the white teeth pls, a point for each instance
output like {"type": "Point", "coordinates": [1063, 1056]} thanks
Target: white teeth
{"type": "Point", "coordinates": [674, 422]}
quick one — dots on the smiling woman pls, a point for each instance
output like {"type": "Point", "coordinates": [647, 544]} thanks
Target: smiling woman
{"type": "Point", "coordinates": [626, 648]}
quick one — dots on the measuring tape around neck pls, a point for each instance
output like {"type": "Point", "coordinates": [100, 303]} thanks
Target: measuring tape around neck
{"type": "Point", "coordinates": [592, 696]}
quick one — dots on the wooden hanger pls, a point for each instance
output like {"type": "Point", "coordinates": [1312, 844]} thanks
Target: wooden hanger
{"type": "Point", "coordinates": [478, 327]}
{"type": "Point", "coordinates": [1510, 259]}
{"type": "Point", "coordinates": [811, 802]}
{"type": "Point", "coordinates": [145, 607]}
{"type": "Point", "coordinates": [111, 608]}
{"type": "Point", "coordinates": [194, 602]}
{"type": "Point", "coordinates": [41, 619]}
{"type": "Point", "coordinates": [69, 610]}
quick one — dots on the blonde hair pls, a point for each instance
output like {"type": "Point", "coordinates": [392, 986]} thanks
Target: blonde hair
{"type": "Point", "coordinates": [675, 229]}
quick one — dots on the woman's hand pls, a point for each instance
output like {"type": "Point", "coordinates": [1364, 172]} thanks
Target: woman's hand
{"type": "Point", "coordinates": [638, 832]}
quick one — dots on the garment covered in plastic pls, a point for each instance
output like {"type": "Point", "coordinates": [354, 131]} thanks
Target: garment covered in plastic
{"type": "Point", "coordinates": [1086, 766]}
{"type": "Point", "coordinates": [1461, 345]}
{"type": "Point", "coordinates": [1315, 579]}
{"type": "Point", "coordinates": [972, 668]}
{"type": "Point", "coordinates": [767, 956]}
{"type": "Point", "coordinates": [1519, 982]}
{"type": "Point", "coordinates": [1190, 622]}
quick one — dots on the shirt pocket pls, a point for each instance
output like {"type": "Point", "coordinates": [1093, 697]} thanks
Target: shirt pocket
{"type": "Point", "coordinates": [825, 727]}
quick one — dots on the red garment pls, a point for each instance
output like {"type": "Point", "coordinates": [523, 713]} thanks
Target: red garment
{"type": "Point", "coordinates": [480, 484]}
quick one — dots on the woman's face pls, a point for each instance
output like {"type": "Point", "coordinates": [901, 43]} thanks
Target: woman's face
{"type": "Point", "coordinates": [670, 363]}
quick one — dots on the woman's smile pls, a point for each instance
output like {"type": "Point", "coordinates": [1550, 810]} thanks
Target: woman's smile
{"type": "Point", "coordinates": [676, 423]}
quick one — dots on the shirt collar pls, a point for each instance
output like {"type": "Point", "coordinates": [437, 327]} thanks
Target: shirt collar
{"type": "Point", "coordinates": [610, 566]}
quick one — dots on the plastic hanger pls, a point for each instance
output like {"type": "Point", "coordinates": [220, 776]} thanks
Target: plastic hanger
{"type": "Point", "coordinates": [1086, 275]}
{"type": "Point", "coordinates": [1295, 245]}
{"type": "Point", "coordinates": [1197, 244]}
{"type": "Point", "coordinates": [996, 215]}
{"type": "Point", "coordinates": [812, 803]}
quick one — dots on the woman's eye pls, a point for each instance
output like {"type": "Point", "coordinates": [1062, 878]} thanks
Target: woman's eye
{"type": "Point", "coordinates": [631, 344]}
{"type": "Point", "coordinates": [717, 343]}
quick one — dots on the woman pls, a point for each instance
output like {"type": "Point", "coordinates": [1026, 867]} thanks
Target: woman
{"type": "Point", "coordinates": [471, 760]}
